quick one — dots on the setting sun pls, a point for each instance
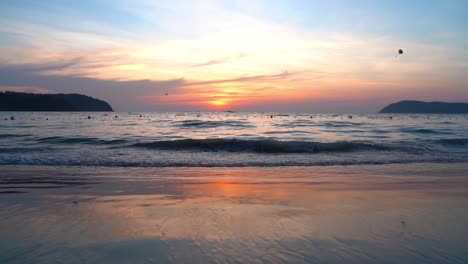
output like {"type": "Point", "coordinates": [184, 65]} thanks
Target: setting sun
{"type": "Point", "coordinates": [219, 102]}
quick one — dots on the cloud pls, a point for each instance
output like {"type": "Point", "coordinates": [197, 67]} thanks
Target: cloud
{"type": "Point", "coordinates": [122, 94]}
{"type": "Point", "coordinates": [211, 62]}
{"type": "Point", "coordinates": [221, 60]}
{"type": "Point", "coordinates": [41, 67]}
{"type": "Point", "coordinates": [24, 89]}
{"type": "Point", "coordinates": [256, 78]}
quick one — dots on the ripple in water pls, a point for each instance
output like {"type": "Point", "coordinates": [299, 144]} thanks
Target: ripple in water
{"type": "Point", "coordinates": [229, 139]}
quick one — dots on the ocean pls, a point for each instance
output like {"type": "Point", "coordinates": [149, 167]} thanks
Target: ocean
{"type": "Point", "coordinates": [233, 188]}
{"type": "Point", "coordinates": [225, 139]}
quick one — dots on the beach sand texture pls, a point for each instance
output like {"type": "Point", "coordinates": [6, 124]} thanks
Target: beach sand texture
{"type": "Point", "coordinates": [410, 213]}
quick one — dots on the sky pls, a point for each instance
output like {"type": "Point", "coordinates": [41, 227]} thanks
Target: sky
{"type": "Point", "coordinates": [247, 55]}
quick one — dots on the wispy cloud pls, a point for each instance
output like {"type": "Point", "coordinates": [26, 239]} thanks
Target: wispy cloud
{"type": "Point", "coordinates": [246, 79]}
{"type": "Point", "coordinates": [221, 60]}
{"type": "Point", "coordinates": [211, 62]}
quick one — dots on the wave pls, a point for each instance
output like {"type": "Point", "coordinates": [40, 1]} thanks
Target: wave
{"type": "Point", "coordinates": [341, 124]}
{"type": "Point", "coordinates": [313, 123]}
{"type": "Point", "coordinates": [12, 136]}
{"type": "Point", "coordinates": [288, 132]}
{"type": "Point", "coordinates": [259, 146]}
{"type": "Point", "coordinates": [254, 145]}
{"type": "Point", "coordinates": [444, 123]}
{"type": "Point", "coordinates": [190, 124]}
{"type": "Point", "coordinates": [80, 140]}
{"type": "Point", "coordinates": [423, 131]}
{"type": "Point", "coordinates": [299, 123]}
{"type": "Point", "coordinates": [24, 149]}
{"type": "Point", "coordinates": [454, 141]}
{"type": "Point", "coordinates": [187, 163]}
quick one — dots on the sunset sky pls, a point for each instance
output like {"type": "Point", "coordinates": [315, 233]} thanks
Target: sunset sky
{"type": "Point", "coordinates": [307, 56]}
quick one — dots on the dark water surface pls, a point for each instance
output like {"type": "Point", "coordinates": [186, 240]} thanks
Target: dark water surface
{"type": "Point", "coordinates": [229, 139]}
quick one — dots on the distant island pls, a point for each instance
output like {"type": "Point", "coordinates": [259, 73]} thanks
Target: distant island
{"type": "Point", "coordinates": [419, 107]}
{"type": "Point", "coordinates": [15, 101]}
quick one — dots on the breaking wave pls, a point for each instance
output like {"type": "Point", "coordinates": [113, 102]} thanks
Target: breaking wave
{"type": "Point", "coordinates": [190, 124]}
{"type": "Point", "coordinates": [259, 146]}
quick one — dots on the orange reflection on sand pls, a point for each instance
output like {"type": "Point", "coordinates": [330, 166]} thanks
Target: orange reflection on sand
{"type": "Point", "coordinates": [235, 204]}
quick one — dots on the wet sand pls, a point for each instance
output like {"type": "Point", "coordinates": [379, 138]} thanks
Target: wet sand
{"type": "Point", "coordinates": [413, 213]}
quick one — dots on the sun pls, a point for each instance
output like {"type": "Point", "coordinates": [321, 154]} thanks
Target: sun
{"type": "Point", "coordinates": [219, 103]}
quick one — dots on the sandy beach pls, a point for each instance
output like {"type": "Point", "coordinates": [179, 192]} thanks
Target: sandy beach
{"type": "Point", "coordinates": [400, 213]}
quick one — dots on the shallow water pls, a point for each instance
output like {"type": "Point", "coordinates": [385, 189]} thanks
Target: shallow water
{"type": "Point", "coordinates": [400, 213]}
{"type": "Point", "coordinates": [229, 139]}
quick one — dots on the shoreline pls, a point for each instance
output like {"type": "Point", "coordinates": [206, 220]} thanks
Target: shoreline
{"type": "Point", "coordinates": [370, 164]}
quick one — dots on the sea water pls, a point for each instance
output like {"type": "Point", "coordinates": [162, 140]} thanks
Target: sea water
{"type": "Point", "coordinates": [225, 139]}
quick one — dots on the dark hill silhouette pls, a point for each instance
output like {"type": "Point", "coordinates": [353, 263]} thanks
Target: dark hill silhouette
{"type": "Point", "coordinates": [14, 101]}
{"type": "Point", "coordinates": [426, 107]}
